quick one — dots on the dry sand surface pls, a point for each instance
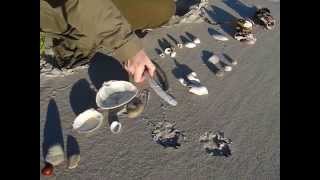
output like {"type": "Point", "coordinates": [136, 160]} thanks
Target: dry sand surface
{"type": "Point", "coordinates": [245, 104]}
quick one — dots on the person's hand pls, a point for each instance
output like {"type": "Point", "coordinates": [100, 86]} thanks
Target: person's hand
{"type": "Point", "coordinates": [138, 64]}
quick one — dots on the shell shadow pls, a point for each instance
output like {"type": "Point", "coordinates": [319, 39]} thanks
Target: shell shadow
{"type": "Point", "coordinates": [181, 70]}
{"type": "Point", "coordinates": [52, 130]}
{"type": "Point", "coordinates": [105, 68]}
{"type": "Point", "coordinates": [72, 146]}
{"type": "Point", "coordinates": [82, 97]}
{"type": "Point", "coordinates": [242, 9]}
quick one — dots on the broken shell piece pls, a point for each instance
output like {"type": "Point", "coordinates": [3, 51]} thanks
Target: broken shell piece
{"type": "Point", "coordinates": [88, 121]}
{"type": "Point", "coordinates": [250, 41]}
{"type": "Point", "coordinates": [115, 127]}
{"type": "Point", "coordinates": [227, 68]}
{"type": "Point", "coordinates": [73, 161]}
{"type": "Point", "coordinates": [220, 37]}
{"type": "Point", "coordinates": [193, 77]}
{"type": "Point", "coordinates": [214, 59]}
{"type": "Point", "coordinates": [202, 90]}
{"type": "Point", "coordinates": [190, 45]}
{"type": "Point", "coordinates": [162, 55]}
{"type": "Point", "coordinates": [55, 155]}
{"type": "Point", "coordinates": [196, 41]}
{"type": "Point", "coordinates": [183, 81]}
{"type": "Point", "coordinates": [173, 54]}
{"type": "Point", "coordinates": [180, 45]}
{"type": "Point", "coordinates": [167, 51]}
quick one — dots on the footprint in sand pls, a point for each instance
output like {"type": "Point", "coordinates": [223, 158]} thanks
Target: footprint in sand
{"type": "Point", "coordinates": [216, 144]}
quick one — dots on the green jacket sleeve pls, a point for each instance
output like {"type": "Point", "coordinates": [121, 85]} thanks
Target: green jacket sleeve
{"type": "Point", "coordinates": [102, 25]}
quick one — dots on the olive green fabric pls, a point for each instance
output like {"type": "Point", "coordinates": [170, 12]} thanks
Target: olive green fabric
{"type": "Point", "coordinates": [80, 27]}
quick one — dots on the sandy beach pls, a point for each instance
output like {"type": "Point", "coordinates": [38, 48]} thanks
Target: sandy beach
{"type": "Point", "coordinates": [244, 104]}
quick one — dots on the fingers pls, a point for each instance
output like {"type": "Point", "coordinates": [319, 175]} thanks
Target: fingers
{"type": "Point", "coordinates": [138, 74]}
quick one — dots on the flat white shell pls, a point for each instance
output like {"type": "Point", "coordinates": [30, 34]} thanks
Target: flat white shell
{"type": "Point", "coordinates": [115, 127]}
{"type": "Point", "coordinates": [214, 59]}
{"type": "Point", "coordinates": [193, 77]}
{"type": "Point", "coordinates": [88, 121]}
{"type": "Point", "coordinates": [73, 161]}
{"type": "Point", "coordinates": [180, 45]}
{"type": "Point", "coordinates": [190, 45]}
{"type": "Point", "coordinates": [202, 90]}
{"type": "Point", "coordinates": [227, 68]}
{"type": "Point", "coordinates": [167, 51]}
{"type": "Point", "coordinates": [55, 155]}
{"type": "Point", "coordinates": [196, 41]}
{"type": "Point", "coordinates": [114, 94]}
{"type": "Point", "coordinates": [220, 37]}
{"type": "Point", "coordinates": [173, 54]}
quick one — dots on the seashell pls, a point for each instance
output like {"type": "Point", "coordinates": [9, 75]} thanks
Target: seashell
{"type": "Point", "coordinates": [196, 41]}
{"type": "Point", "coordinates": [180, 45]}
{"type": "Point", "coordinates": [167, 51]}
{"type": "Point", "coordinates": [190, 45]}
{"type": "Point", "coordinates": [73, 161]}
{"type": "Point", "coordinates": [247, 24]}
{"type": "Point", "coordinates": [234, 62]}
{"type": "Point", "coordinates": [182, 81]}
{"type": "Point", "coordinates": [115, 93]}
{"type": "Point", "coordinates": [173, 54]}
{"type": "Point", "coordinates": [162, 55]}
{"type": "Point", "coordinates": [202, 90]}
{"type": "Point", "coordinates": [250, 41]}
{"type": "Point", "coordinates": [55, 155]}
{"type": "Point", "coordinates": [214, 59]}
{"type": "Point", "coordinates": [192, 77]}
{"type": "Point", "coordinates": [227, 68]}
{"type": "Point", "coordinates": [88, 121]}
{"type": "Point", "coordinates": [220, 37]}
{"type": "Point", "coordinates": [115, 127]}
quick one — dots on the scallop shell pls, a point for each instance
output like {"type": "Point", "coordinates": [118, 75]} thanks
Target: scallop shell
{"type": "Point", "coordinates": [55, 155]}
{"type": "Point", "coordinates": [88, 121]}
{"type": "Point", "coordinates": [190, 45]}
{"type": "Point", "coordinates": [173, 54]}
{"type": "Point", "coordinates": [220, 37]}
{"type": "Point", "coordinates": [115, 127]}
{"type": "Point", "coordinates": [202, 90]}
{"type": "Point", "coordinates": [227, 68]}
{"type": "Point", "coordinates": [193, 77]}
{"type": "Point", "coordinates": [214, 59]}
{"type": "Point", "coordinates": [167, 51]}
{"type": "Point", "coordinates": [197, 41]}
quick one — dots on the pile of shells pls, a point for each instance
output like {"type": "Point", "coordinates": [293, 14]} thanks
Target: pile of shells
{"type": "Point", "coordinates": [216, 144]}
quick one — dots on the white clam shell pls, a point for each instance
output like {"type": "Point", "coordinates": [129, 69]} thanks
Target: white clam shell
{"type": "Point", "coordinates": [88, 121]}
{"type": "Point", "coordinates": [55, 155]}
{"type": "Point", "coordinates": [227, 68]}
{"type": "Point", "coordinates": [114, 94]}
{"type": "Point", "coordinates": [247, 24]}
{"type": "Point", "coordinates": [214, 59]}
{"type": "Point", "coordinates": [115, 127]}
{"type": "Point", "coordinates": [220, 37]}
{"type": "Point", "coordinates": [173, 54]}
{"type": "Point", "coordinates": [190, 45]}
{"type": "Point", "coordinates": [167, 51]}
{"type": "Point", "coordinates": [202, 90]}
{"type": "Point", "coordinates": [180, 45]}
{"type": "Point", "coordinates": [197, 41]}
